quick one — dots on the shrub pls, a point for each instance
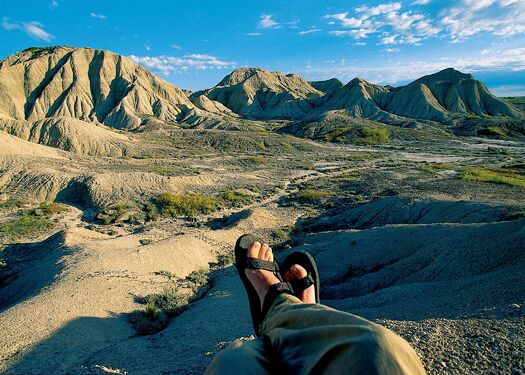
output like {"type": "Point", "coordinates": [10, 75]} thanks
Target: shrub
{"type": "Point", "coordinates": [121, 212]}
{"type": "Point", "coordinates": [372, 135]}
{"type": "Point", "coordinates": [336, 134]}
{"type": "Point", "coordinates": [492, 131]}
{"type": "Point", "coordinates": [188, 205]}
{"type": "Point", "coordinates": [198, 278]}
{"type": "Point", "coordinates": [24, 225]}
{"type": "Point", "coordinates": [283, 234]}
{"type": "Point", "coordinates": [312, 196]}
{"type": "Point", "coordinates": [235, 198]}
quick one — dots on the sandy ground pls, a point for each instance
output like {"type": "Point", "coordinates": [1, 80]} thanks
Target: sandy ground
{"type": "Point", "coordinates": [444, 273]}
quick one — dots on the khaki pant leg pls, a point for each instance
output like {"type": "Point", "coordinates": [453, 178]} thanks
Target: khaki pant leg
{"type": "Point", "coordinates": [316, 339]}
{"type": "Point", "coordinates": [243, 357]}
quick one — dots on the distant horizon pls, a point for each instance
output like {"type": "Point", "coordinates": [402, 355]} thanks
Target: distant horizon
{"type": "Point", "coordinates": [194, 45]}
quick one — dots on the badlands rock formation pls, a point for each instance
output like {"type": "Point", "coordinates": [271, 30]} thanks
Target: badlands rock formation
{"type": "Point", "coordinates": [87, 84]}
{"type": "Point", "coordinates": [256, 93]}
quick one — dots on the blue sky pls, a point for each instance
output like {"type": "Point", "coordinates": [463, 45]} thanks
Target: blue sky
{"type": "Point", "coordinates": [193, 44]}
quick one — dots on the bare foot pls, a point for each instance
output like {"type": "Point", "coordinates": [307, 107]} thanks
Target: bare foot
{"type": "Point", "coordinates": [261, 280]}
{"type": "Point", "coordinates": [297, 272]}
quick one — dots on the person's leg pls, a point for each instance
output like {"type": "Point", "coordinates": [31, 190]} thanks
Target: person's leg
{"type": "Point", "coordinates": [243, 357]}
{"type": "Point", "coordinates": [315, 339]}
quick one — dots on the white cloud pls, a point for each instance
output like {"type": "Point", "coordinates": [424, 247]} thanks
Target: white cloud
{"type": "Point", "coordinates": [33, 29]}
{"type": "Point", "coordinates": [267, 22]}
{"type": "Point", "coordinates": [309, 31]}
{"type": "Point", "coordinates": [148, 48]}
{"type": "Point", "coordinates": [421, 2]}
{"type": "Point", "coordinates": [395, 72]}
{"type": "Point", "coordinates": [176, 46]}
{"type": "Point", "coordinates": [99, 16]}
{"type": "Point", "coordinates": [253, 34]}
{"type": "Point", "coordinates": [392, 50]}
{"type": "Point", "coordinates": [380, 9]}
{"type": "Point", "coordinates": [498, 17]}
{"type": "Point", "coordinates": [171, 64]}
{"type": "Point", "coordinates": [410, 26]}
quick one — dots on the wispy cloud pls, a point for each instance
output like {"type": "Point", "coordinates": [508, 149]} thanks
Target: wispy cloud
{"type": "Point", "coordinates": [176, 46]}
{"type": "Point", "coordinates": [54, 3]}
{"type": "Point", "coordinates": [267, 22]}
{"type": "Point", "coordinates": [396, 26]}
{"type": "Point", "coordinates": [421, 2]}
{"type": "Point", "coordinates": [33, 29]}
{"type": "Point", "coordinates": [253, 34]}
{"type": "Point", "coordinates": [498, 17]}
{"type": "Point", "coordinates": [396, 72]}
{"type": "Point", "coordinates": [171, 64]}
{"type": "Point", "coordinates": [99, 16]}
{"type": "Point", "coordinates": [304, 32]}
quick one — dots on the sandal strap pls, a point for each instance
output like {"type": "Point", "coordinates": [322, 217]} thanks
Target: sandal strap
{"type": "Point", "coordinates": [259, 264]}
{"type": "Point", "coordinates": [299, 285]}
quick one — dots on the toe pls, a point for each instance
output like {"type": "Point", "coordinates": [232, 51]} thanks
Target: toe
{"type": "Point", "coordinates": [254, 250]}
{"type": "Point", "coordinates": [264, 251]}
{"type": "Point", "coordinates": [298, 271]}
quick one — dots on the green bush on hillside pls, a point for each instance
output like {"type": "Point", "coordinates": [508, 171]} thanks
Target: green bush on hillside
{"type": "Point", "coordinates": [185, 205]}
{"type": "Point", "coordinates": [372, 135]}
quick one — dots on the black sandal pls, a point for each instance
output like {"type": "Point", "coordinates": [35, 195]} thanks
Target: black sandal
{"type": "Point", "coordinates": [242, 261]}
{"type": "Point", "coordinates": [306, 261]}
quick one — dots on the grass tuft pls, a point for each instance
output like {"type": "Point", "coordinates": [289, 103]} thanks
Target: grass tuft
{"type": "Point", "coordinates": [490, 175]}
{"type": "Point", "coordinates": [311, 196]}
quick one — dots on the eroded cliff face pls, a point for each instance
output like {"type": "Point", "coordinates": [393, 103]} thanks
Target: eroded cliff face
{"type": "Point", "coordinates": [86, 84]}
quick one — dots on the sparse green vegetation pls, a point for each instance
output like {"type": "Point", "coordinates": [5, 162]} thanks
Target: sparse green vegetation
{"type": "Point", "coordinates": [283, 234]}
{"type": "Point", "coordinates": [258, 159]}
{"type": "Point", "coordinates": [492, 131]}
{"type": "Point", "coordinates": [336, 134]}
{"type": "Point", "coordinates": [235, 198]}
{"type": "Point", "coordinates": [185, 205]}
{"type": "Point", "coordinates": [169, 303]}
{"type": "Point", "coordinates": [492, 175]}
{"type": "Point", "coordinates": [198, 278]}
{"type": "Point", "coordinates": [311, 196]}
{"type": "Point", "coordinates": [373, 135]}
{"type": "Point", "coordinates": [439, 166]}
{"type": "Point", "coordinates": [168, 171]}
{"type": "Point", "coordinates": [30, 221]}
{"type": "Point", "coordinates": [24, 225]}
